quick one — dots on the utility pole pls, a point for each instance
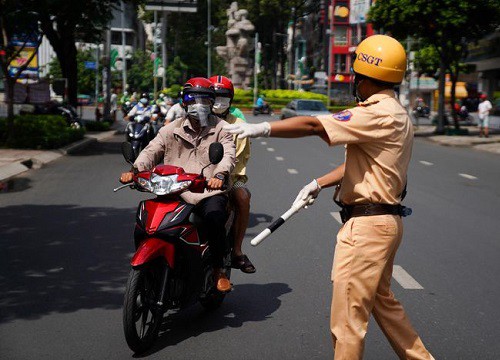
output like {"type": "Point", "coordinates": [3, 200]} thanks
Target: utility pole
{"type": "Point", "coordinates": [106, 76]}
{"type": "Point", "coordinates": [209, 39]}
{"type": "Point", "coordinates": [330, 45]}
{"type": "Point", "coordinates": [96, 73]}
{"type": "Point", "coordinates": [124, 57]}
{"type": "Point", "coordinates": [256, 67]}
{"type": "Point", "coordinates": [155, 70]}
{"type": "Point", "coordinates": [164, 61]}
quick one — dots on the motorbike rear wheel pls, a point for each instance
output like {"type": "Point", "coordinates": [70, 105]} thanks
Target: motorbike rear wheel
{"type": "Point", "coordinates": [142, 317]}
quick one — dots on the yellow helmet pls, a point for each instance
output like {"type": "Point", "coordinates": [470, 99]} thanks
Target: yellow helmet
{"type": "Point", "coordinates": [380, 57]}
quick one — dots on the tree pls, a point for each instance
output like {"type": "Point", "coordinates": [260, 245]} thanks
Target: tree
{"type": "Point", "coordinates": [446, 25]}
{"type": "Point", "coordinates": [19, 31]}
{"type": "Point", "coordinates": [66, 22]}
{"type": "Point", "coordinates": [140, 74]}
{"type": "Point", "coordinates": [86, 77]}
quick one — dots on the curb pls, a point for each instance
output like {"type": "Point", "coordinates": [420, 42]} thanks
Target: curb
{"type": "Point", "coordinates": [37, 161]}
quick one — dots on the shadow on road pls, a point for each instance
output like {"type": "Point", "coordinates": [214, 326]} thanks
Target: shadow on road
{"type": "Point", "coordinates": [247, 303]}
{"type": "Point", "coordinates": [256, 219]}
{"type": "Point", "coordinates": [58, 259]}
{"type": "Point", "coordinates": [109, 146]}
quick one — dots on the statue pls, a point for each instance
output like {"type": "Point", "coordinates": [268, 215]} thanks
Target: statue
{"type": "Point", "coordinates": [239, 44]}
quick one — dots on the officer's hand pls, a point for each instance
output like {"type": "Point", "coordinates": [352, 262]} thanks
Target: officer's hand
{"type": "Point", "coordinates": [214, 184]}
{"type": "Point", "coordinates": [308, 194]}
{"type": "Point", "coordinates": [126, 177]}
{"type": "Point", "coordinates": [244, 130]}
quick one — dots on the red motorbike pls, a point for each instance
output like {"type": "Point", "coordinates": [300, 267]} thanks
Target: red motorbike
{"type": "Point", "coordinates": [171, 267]}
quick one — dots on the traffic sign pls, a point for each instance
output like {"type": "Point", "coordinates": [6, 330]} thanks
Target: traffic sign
{"type": "Point", "coordinates": [90, 65]}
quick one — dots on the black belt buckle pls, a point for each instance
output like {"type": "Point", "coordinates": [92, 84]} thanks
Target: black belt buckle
{"type": "Point", "coordinates": [405, 211]}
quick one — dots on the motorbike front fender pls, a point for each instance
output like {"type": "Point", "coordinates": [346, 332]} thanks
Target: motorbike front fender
{"type": "Point", "coordinates": [151, 249]}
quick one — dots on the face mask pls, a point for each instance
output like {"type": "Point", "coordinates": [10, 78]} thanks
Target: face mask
{"type": "Point", "coordinates": [221, 105]}
{"type": "Point", "coordinates": [200, 113]}
{"type": "Point", "coordinates": [355, 86]}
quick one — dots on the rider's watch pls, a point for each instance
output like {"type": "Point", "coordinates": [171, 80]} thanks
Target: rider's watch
{"type": "Point", "coordinates": [220, 176]}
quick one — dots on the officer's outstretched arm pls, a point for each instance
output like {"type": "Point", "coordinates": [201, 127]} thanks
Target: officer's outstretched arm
{"type": "Point", "coordinates": [298, 126]}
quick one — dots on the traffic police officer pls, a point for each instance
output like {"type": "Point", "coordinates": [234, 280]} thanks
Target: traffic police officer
{"type": "Point", "coordinates": [378, 136]}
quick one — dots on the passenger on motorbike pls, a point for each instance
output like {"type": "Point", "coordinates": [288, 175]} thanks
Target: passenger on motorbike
{"type": "Point", "coordinates": [185, 142]}
{"type": "Point", "coordinates": [239, 194]}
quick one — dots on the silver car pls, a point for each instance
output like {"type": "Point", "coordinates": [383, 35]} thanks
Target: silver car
{"type": "Point", "coordinates": [299, 107]}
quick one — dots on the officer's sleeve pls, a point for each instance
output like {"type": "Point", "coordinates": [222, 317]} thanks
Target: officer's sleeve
{"type": "Point", "coordinates": [356, 125]}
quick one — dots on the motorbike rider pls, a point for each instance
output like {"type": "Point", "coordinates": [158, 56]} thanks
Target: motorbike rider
{"type": "Point", "coordinates": [185, 142]}
{"type": "Point", "coordinates": [261, 105]}
{"type": "Point", "coordinates": [240, 195]}
{"type": "Point", "coordinates": [176, 111]}
{"type": "Point", "coordinates": [378, 135]}
{"type": "Point", "coordinates": [142, 107]}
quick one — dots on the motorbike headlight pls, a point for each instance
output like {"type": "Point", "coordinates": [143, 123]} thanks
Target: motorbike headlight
{"type": "Point", "coordinates": [163, 185]}
{"type": "Point", "coordinates": [145, 183]}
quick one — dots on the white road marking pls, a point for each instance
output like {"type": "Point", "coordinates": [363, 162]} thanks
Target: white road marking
{"type": "Point", "coordinates": [261, 219]}
{"type": "Point", "coordinates": [270, 149]}
{"type": "Point", "coordinates": [404, 279]}
{"type": "Point", "coordinates": [292, 171]}
{"type": "Point", "coordinates": [467, 176]}
{"type": "Point", "coordinates": [333, 165]}
{"type": "Point", "coordinates": [263, 142]}
{"type": "Point", "coordinates": [279, 158]}
{"type": "Point", "coordinates": [426, 163]}
{"type": "Point", "coordinates": [336, 216]}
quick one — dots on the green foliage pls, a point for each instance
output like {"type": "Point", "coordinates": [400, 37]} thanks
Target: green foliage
{"type": "Point", "coordinates": [140, 74]}
{"type": "Point", "coordinates": [97, 126]}
{"type": "Point", "coordinates": [176, 72]}
{"type": "Point", "coordinates": [172, 91]}
{"type": "Point", "coordinates": [40, 132]}
{"type": "Point", "coordinates": [86, 77]}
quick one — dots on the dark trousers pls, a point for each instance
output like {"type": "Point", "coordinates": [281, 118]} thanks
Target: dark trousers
{"type": "Point", "coordinates": [214, 213]}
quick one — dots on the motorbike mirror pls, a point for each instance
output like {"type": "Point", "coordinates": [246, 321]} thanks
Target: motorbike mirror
{"type": "Point", "coordinates": [128, 152]}
{"type": "Point", "coordinates": [215, 152]}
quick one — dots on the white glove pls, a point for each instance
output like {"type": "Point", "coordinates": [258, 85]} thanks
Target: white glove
{"type": "Point", "coordinates": [244, 130]}
{"type": "Point", "coordinates": [308, 194]}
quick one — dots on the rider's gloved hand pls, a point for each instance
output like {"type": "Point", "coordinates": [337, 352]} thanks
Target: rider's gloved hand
{"type": "Point", "coordinates": [126, 177]}
{"type": "Point", "coordinates": [244, 130]}
{"type": "Point", "coordinates": [308, 194]}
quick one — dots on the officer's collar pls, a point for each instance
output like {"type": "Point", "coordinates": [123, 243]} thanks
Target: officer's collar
{"type": "Point", "coordinates": [381, 95]}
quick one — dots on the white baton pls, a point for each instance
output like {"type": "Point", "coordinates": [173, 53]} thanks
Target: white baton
{"type": "Point", "coordinates": [280, 221]}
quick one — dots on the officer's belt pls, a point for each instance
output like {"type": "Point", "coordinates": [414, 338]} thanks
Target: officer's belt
{"type": "Point", "coordinates": [349, 211]}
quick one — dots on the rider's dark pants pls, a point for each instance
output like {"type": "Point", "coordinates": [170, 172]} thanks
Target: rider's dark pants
{"type": "Point", "coordinates": [213, 211]}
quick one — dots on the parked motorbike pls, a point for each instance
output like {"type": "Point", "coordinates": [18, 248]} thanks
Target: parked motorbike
{"type": "Point", "coordinates": [171, 267]}
{"type": "Point", "coordinates": [139, 131]}
{"type": "Point", "coordinates": [465, 117]}
{"type": "Point", "coordinates": [56, 108]}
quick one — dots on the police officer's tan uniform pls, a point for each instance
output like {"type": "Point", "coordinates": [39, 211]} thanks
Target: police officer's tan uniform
{"type": "Point", "coordinates": [379, 138]}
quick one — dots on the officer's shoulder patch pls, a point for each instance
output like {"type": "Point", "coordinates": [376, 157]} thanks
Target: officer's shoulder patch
{"type": "Point", "coordinates": [344, 115]}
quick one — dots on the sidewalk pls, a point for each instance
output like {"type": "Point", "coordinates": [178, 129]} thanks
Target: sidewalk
{"type": "Point", "coordinates": [16, 161]}
{"type": "Point", "coordinates": [490, 144]}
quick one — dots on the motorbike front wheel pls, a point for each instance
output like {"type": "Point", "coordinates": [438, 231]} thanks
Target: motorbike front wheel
{"type": "Point", "coordinates": [141, 316]}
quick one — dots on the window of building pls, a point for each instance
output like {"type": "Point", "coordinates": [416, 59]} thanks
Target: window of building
{"type": "Point", "coordinates": [116, 38]}
{"type": "Point", "coordinates": [340, 35]}
{"type": "Point", "coordinates": [340, 64]}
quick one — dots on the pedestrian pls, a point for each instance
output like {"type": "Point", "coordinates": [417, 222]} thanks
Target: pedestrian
{"type": "Point", "coordinates": [483, 112]}
{"type": "Point", "coordinates": [114, 104]}
{"type": "Point", "coordinates": [378, 136]}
